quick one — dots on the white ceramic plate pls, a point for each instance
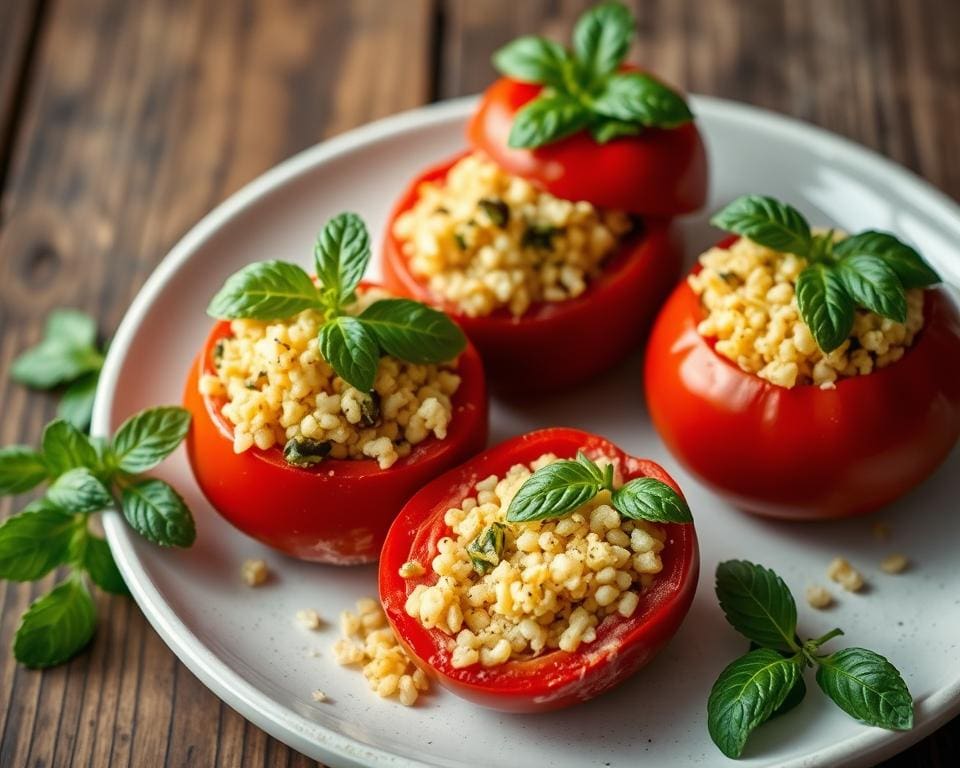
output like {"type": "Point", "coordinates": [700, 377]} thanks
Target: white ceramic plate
{"type": "Point", "coordinates": [244, 644]}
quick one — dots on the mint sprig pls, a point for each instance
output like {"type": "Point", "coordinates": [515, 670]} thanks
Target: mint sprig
{"type": "Point", "coordinates": [85, 476]}
{"type": "Point", "coordinates": [560, 488]}
{"type": "Point", "coordinates": [584, 87]}
{"type": "Point", "coordinates": [352, 345]}
{"type": "Point", "coordinates": [768, 680]}
{"type": "Point", "coordinates": [871, 270]}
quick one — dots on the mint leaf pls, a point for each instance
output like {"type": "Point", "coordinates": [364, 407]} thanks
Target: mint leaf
{"type": "Point", "coordinates": [793, 699]}
{"type": "Point", "coordinates": [757, 603]}
{"type": "Point", "coordinates": [92, 554]}
{"type": "Point", "coordinates": [34, 542]}
{"type": "Point", "coordinates": [65, 447]}
{"type": "Point", "coordinates": [647, 498]}
{"type": "Point", "coordinates": [267, 290]}
{"type": "Point", "coordinates": [867, 687]}
{"type": "Point", "coordinates": [158, 513]}
{"type": "Point", "coordinates": [56, 626]}
{"type": "Point", "coordinates": [67, 351]}
{"type": "Point", "coordinates": [414, 332]}
{"type": "Point", "coordinates": [548, 118]}
{"type": "Point", "coordinates": [825, 305]}
{"type": "Point", "coordinates": [21, 468]}
{"type": "Point", "coordinates": [747, 693]}
{"type": "Point", "coordinates": [634, 97]}
{"type": "Point", "coordinates": [352, 351]}
{"type": "Point", "coordinates": [601, 39]}
{"type": "Point", "coordinates": [76, 403]}
{"type": "Point", "coordinates": [768, 222]}
{"type": "Point", "coordinates": [78, 491]}
{"type": "Point", "coordinates": [874, 285]}
{"type": "Point", "coordinates": [555, 490]}
{"type": "Point", "coordinates": [532, 59]}
{"type": "Point", "coordinates": [341, 255]}
{"type": "Point", "coordinates": [905, 261]}
{"type": "Point", "coordinates": [148, 437]}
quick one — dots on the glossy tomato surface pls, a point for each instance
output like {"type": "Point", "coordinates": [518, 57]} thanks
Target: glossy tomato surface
{"type": "Point", "coordinates": [558, 678]}
{"type": "Point", "coordinates": [557, 344]}
{"type": "Point", "coordinates": [660, 172]}
{"type": "Point", "coordinates": [805, 453]}
{"type": "Point", "coordinates": [339, 511]}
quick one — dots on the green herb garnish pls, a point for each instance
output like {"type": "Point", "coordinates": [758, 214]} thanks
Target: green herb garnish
{"type": "Point", "coordinates": [871, 269]}
{"type": "Point", "coordinates": [485, 550]}
{"type": "Point", "coordinates": [352, 345]}
{"type": "Point", "coordinates": [559, 489]}
{"type": "Point", "coordinates": [497, 211]}
{"type": "Point", "coordinates": [539, 236]}
{"type": "Point", "coordinates": [85, 476]}
{"type": "Point", "coordinates": [768, 680]}
{"type": "Point", "coordinates": [305, 451]}
{"type": "Point", "coordinates": [584, 88]}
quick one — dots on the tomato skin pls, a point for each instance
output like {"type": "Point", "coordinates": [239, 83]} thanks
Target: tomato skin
{"type": "Point", "coordinates": [657, 173]}
{"type": "Point", "coordinates": [556, 679]}
{"type": "Point", "coordinates": [804, 453]}
{"type": "Point", "coordinates": [597, 328]}
{"type": "Point", "coordinates": [338, 512]}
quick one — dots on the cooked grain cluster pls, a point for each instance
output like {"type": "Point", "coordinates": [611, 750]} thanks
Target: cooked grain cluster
{"type": "Point", "coordinates": [556, 580]}
{"type": "Point", "coordinates": [483, 240]}
{"type": "Point", "coordinates": [278, 387]}
{"type": "Point", "coordinates": [748, 292]}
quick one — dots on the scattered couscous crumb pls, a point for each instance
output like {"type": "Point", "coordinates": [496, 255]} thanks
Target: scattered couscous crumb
{"type": "Point", "coordinates": [308, 618]}
{"type": "Point", "coordinates": [411, 569]}
{"type": "Point", "coordinates": [486, 240]}
{"type": "Point", "coordinates": [549, 585]}
{"type": "Point", "coordinates": [895, 563]}
{"type": "Point", "coordinates": [881, 530]}
{"type": "Point", "coordinates": [819, 597]}
{"type": "Point", "coordinates": [845, 574]}
{"type": "Point", "coordinates": [748, 292]}
{"type": "Point", "coordinates": [368, 640]}
{"type": "Point", "coordinates": [318, 695]}
{"type": "Point", "coordinates": [255, 572]}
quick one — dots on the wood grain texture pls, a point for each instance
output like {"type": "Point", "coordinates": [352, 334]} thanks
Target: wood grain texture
{"type": "Point", "coordinates": [122, 123]}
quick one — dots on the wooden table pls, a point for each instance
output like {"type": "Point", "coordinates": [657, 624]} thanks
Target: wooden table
{"type": "Point", "coordinates": [122, 123]}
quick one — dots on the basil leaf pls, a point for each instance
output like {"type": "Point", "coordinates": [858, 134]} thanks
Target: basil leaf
{"type": "Point", "coordinates": [639, 98]}
{"type": "Point", "coordinates": [352, 351]}
{"type": "Point", "coordinates": [607, 130]}
{"type": "Point", "coordinates": [78, 491]}
{"type": "Point", "coordinates": [746, 695]}
{"type": "Point", "coordinates": [54, 361]}
{"type": "Point", "coordinates": [601, 39]}
{"type": "Point", "coordinates": [909, 265]}
{"type": "Point", "coordinates": [56, 626]}
{"type": "Point", "coordinates": [93, 555]}
{"type": "Point", "coordinates": [825, 305]}
{"type": "Point", "coordinates": [757, 603]}
{"type": "Point", "coordinates": [76, 404]}
{"type": "Point", "coordinates": [874, 285]}
{"type": "Point", "coordinates": [72, 327]}
{"type": "Point", "coordinates": [647, 498]}
{"type": "Point", "coordinates": [305, 451]}
{"type": "Point", "coordinates": [485, 550]}
{"type": "Point", "coordinates": [35, 542]}
{"type": "Point", "coordinates": [267, 290]}
{"type": "Point", "coordinates": [548, 118]}
{"type": "Point", "coordinates": [341, 255]}
{"type": "Point", "coordinates": [413, 332]}
{"type": "Point", "coordinates": [768, 222]}
{"type": "Point", "coordinates": [602, 476]}
{"type": "Point", "coordinates": [532, 59]}
{"type": "Point", "coordinates": [867, 687]}
{"type": "Point", "coordinates": [158, 513]}
{"type": "Point", "coordinates": [21, 468]}
{"type": "Point", "coordinates": [555, 490]}
{"type": "Point", "coordinates": [65, 447]}
{"type": "Point", "coordinates": [148, 437]}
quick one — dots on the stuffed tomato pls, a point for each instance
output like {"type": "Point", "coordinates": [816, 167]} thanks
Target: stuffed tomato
{"type": "Point", "coordinates": [556, 223]}
{"type": "Point", "coordinates": [320, 405]}
{"type": "Point", "coordinates": [540, 573]}
{"type": "Point", "coordinates": [816, 376]}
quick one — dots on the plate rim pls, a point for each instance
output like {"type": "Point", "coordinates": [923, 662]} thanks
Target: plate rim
{"type": "Point", "coordinates": [308, 736]}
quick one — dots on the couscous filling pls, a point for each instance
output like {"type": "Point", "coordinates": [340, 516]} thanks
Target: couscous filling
{"type": "Point", "coordinates": [484, 240]}
{"type": "Point", "coordinates": [516, 590]}
{"type": "Point", "coordinates": [748, 292]}
{"type": "Point", "coordinates": [280, 391]}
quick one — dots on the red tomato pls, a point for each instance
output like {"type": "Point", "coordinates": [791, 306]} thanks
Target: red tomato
{"type": "Point", "coordinates": [659, 172]}
{"type": "Point", "coordinates": [558, 678]}
{"type": "Point", "coordinates": [339, 511]}
{"type": "Point", "coordinates": [805, 453]}
{"type": "Point", "coordinates": [595, 329]}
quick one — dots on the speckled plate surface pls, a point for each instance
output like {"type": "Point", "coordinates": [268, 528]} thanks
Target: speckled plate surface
{"type": "Point", "coordinates": [245, 645]}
